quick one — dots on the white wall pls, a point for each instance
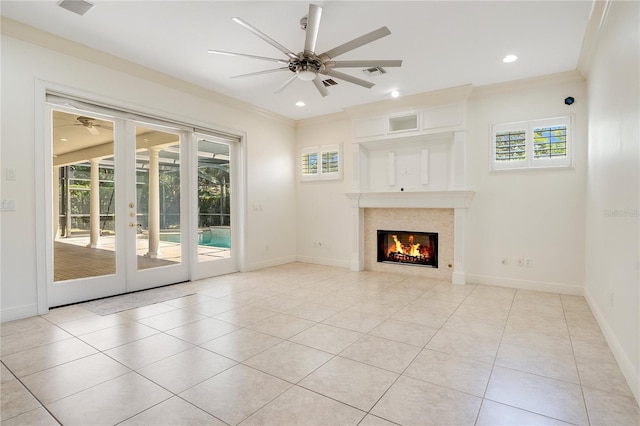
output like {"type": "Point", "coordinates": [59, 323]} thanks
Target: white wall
{"type": "Point", "coordinates": [612, 255]}
{"type": "Point", "coordinates": [324, 213]}
{"type": "Point", "coordinates": [527, 214]}
{"type": "Point", "coordinates": [537, 215]}
{"type": "Point", "coordinates": [269, 143]}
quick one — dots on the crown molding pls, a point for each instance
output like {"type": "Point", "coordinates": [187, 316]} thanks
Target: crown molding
{"type": "Point", "coordinates": [418, 101]}
{"type": "Point", "coordinates": [322, 119]}
{"type": "Point", "coordinates": [527, 83]}
{"type": "Point", "coordinates": [28, 34]}
{"type": "Point", "coordinates": [597, 18]}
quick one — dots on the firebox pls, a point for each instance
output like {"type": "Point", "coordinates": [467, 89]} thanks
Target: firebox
{"type": "Point", "coordinates": [408, 248]}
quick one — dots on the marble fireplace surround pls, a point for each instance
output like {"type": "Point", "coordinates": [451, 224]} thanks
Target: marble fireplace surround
{"type": "Point", "coordinates": [369, 210]}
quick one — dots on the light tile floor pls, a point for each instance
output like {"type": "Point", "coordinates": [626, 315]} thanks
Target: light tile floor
{"type": "Point", "coordinates": [304, 344]}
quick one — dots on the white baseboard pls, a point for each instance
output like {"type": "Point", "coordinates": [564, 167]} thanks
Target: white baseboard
{"type": "Point", "coordinates": [526, 285]}
{"type": "Point", "coordinates": [340, 263]}
{"type": "Point", "coordinates": [269, 263]}
{"type": "Point", "coordinates": [19, 312]}
{"type": "Point", "coordinates": [631, 374]}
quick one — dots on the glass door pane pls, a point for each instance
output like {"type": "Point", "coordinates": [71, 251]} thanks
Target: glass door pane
{"type": "Point", "coordinates": [83, 197]}
{"type": "Point", "coordinates": [214, 200]}
{"type": "Point", "coordinates": [158, 215]}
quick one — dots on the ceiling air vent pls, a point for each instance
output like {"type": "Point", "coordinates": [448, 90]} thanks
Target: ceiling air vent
{"type": "Point", "coordinates": [329, 82]}
{"type": "Point", "coordinates": [79, 7]}
{"type": "Point", "coordinates": [374, 71]}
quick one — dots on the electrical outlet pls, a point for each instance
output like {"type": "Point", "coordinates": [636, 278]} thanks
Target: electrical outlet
{"type": "Point", "coordinates": [520, 261]}
{"type": "Point", "coordinates": [8, 205]}
{"type": "Point", "coordinates": [528, 262]}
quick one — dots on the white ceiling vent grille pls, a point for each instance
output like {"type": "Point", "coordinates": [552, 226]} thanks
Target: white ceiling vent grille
{"type": "Point", "coordinates": [79, 7]}
{"type": "Point", "coordinates": [374, 71]}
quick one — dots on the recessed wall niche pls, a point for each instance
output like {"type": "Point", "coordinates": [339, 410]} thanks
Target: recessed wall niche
{"type": "Point", "coordinates": [416, 163]}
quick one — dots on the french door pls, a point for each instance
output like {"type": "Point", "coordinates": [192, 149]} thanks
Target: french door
{"type": "Point", "coordinates": [120, 192]}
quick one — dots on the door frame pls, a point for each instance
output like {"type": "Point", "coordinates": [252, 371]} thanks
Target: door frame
{"type": "Point", "coordinates": [101, 285]}
{"type": "Point", "coordinates": [142, 279]}
{"type": "Point", "coordinates": [201, 270]}
{"type": "Point", "coordinates": [43, 165]}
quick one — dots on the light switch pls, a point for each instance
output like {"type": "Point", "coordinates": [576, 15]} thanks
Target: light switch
{"type": "Point", "coordinates": [11, 173]}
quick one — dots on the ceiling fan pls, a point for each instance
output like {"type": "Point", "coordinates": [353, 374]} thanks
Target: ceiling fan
{"type": "Point", "coordinates": [309, 66]}
{"type": "Point", "coordinates": [89, 124]}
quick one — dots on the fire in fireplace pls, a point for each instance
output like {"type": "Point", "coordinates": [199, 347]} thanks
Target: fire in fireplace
{"type": "Point", "coordinates": [408, 248]}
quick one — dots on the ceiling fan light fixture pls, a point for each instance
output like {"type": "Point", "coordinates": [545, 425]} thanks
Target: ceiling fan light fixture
{"type": "Point", "coordinates": [306, 75]}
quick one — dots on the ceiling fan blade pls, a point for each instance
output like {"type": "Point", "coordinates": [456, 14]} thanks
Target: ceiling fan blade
{"type": "Point", "coordinates": [313, 25]}
{"type": "Point", "coordinates": [349, 78]}
{"type": "Point", "coordinates": [251, 74]}
{"type": "Point", "coordinates": [266, 38]}
{"type": "Point", "coordinates": [357, 42]}
{"type": "Point", "coordinates": [363, 64]}
{"type": "Point", "coordinates": [220, 52]}
{"type": "Point", "coordinates": [92, 130]}
{"type": "Point", "coordinates": [286, 83]}
{"type": "Point", "coordinates": [320, 86]}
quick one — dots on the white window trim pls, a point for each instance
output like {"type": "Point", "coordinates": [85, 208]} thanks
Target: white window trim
{"type": "Point", "coordinates": [531, 163]}
{"type": "Point", "coordinates": [319, 175]}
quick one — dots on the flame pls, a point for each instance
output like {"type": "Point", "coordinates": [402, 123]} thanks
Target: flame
{"type": "Point", "coordinates": [398, 248]}
{"type": "Point", "coordinates": [411, 249]}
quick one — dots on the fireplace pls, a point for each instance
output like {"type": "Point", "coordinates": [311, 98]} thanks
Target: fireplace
{"type": "Point", "coordinates": [408, 248]}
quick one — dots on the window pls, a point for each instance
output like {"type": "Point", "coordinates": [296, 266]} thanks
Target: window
{"type": "Point", "coordinates": [531, 144]}
{"type": "Point", "coordinates": [321, 163]}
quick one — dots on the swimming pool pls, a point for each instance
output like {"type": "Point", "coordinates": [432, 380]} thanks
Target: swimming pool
{"type": "Point", "coordinates": [205, 238]}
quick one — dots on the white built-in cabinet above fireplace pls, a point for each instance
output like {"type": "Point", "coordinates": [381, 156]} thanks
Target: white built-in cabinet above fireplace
{"type": "Point", "coordinates": [409, 151]}
{"type": "Point", "coordinates": [411, 158]}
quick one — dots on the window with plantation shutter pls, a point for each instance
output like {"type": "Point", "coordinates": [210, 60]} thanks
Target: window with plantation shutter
{"type": "Point", "coordinates": [330, 162]}
{"type": "Point", "coordinates": [310, 163]}
{"type": "Point", "coordinates": [550, 142]}
{"type": "Point", "coordinates": [321, 163]}
{"type": "Point", "coordinates": [532, 144]}
{"type": "Point", "coordinates": [510, 146]}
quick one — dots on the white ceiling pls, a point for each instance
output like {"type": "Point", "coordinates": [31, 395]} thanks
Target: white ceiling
{"type": "Point", "coordinates": [442, 43]}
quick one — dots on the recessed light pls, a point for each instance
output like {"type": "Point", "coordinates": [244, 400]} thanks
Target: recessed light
{"type": "Point", "coordinates": [300, 104]}
{"type": "Point", "coordinates": [394, 93]}
{"type": "Point", "coordinates": [509, 58]}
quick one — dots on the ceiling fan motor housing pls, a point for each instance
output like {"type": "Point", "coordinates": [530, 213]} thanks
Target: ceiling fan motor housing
{"type": "Point", "coordinates": [305, 64]}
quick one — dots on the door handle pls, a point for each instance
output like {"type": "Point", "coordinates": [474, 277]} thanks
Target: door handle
{"type": "Point", "coordinates": [132, 205]}
{"type": "Point", "coordinates": [132, 225]}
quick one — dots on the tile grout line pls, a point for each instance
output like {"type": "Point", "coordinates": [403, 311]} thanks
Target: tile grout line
{"type": "Point", "coordinates": [573, 353]}
{"type": "Point", "coordinates": [493, 365]}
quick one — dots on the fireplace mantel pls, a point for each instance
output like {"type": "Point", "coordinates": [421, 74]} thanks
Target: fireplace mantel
{"type": "Point", "coordinates": [454, 199]}
{"type": "Point", "coordinates": [458, 200]}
